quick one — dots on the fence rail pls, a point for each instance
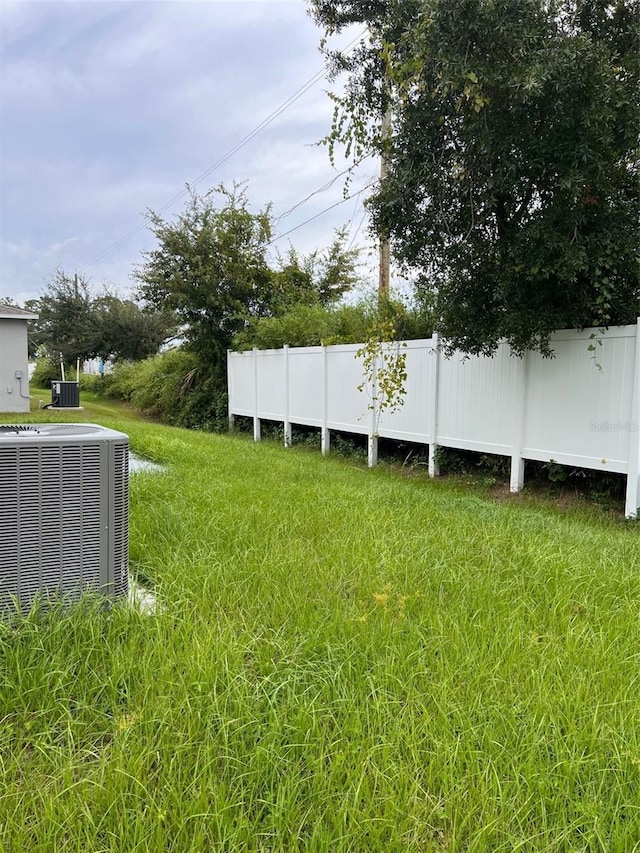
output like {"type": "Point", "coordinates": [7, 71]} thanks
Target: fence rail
{"type": "Point", "coordinates": [579, 408]}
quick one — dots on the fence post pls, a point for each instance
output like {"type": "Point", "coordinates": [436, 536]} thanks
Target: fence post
{"type": "Point", "coordinates": [517, 462]}
{"type": "Point", "coordinates": [231, 416]}
{"type": "Point", "coordinates": [288, 438]}
{"type": "Point", "coordinates": [632, 499]}
{"type": "Point", "coordinates": [256, 417]}
{"type": "Point", "coordinates": [433, 415]}
{"type": "Point", "coordinates": [372, 438]}
{"type": "Point", "coordinates": [325, 438]}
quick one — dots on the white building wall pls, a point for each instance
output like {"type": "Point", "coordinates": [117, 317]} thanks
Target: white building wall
{"type": "Point", "coordinates": [14, 391]}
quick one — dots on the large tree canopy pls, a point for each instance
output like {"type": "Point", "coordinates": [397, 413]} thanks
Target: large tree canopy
{"type": "Point", "coordinates": [125, 331]}
{"type": "Point", "coordinates": [512, 191]}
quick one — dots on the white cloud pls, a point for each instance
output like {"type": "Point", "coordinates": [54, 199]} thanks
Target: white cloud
{"type": "Point", "coordinates": [29, 84]}
{"type": "Point", "coordinates": [63, 244]}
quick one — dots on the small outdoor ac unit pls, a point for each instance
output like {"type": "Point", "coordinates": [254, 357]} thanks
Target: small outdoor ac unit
{"type": "Point", "coordinates": [65, 395]}
{"type": "Point", "coordinates": [64, 512]}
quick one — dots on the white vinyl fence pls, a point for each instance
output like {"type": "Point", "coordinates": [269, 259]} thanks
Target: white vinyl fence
{"type": "Point", "coordinates": [579, 408]}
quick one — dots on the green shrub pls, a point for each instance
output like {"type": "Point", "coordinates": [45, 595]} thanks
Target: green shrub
{"type": "Point", "coordinates": [93, 383]}
{"type": "Point", "coordinates": [48, 371]}
{"type": "Point", "coordinates": [120, 383]}
{"type": "Point", "coordinates": [315, 325]}
{"type": "Point", "coordinates": [162, 383]}
{"type": "Point", "coordinates": [205, 403]}
{"type": "Point", "coordinates": [308, 326]}
{"type": "Point", "coordinates": [173, 386]}
{"type": "Point", "coordinates": [303, 325]}
{"type": "Point", "coordinates": [350, 324]}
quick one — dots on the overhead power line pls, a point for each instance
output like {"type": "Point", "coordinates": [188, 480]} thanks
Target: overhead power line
{"type": "Point", "coordinates": [321, 189]}
{"type": "Point", "coordinates": [317, 215]}
{"type": "Point", "coordinates": [244, 141]}
{"type": "Point", "coordinates": [357, 231]}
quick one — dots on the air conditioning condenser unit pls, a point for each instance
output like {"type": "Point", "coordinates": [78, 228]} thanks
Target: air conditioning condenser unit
{"type": "Point", "coordinates": [64, 512]}
{"type": "Point", "coordinates": [65, 395]}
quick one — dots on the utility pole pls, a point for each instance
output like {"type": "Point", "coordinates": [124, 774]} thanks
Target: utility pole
{"type": "Point", "coordinates": [385, 252]}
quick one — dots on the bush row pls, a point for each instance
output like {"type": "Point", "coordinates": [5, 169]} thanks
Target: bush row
{"type": "Point", "coordinates": [314, 325]}
{"type": "Point", "coordinates": [173, 387]}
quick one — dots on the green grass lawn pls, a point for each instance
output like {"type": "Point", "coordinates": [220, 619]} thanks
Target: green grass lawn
{"type": "Point", "coordinates": [343, 660]}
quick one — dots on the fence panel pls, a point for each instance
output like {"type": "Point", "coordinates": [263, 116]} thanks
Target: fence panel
{"type": "Point", "coordinates": [242, 383]}
{"type": "Point", "coordinates": [578, 405]}
{"type": "Point", "coordinates": [271, 384]}
{"type": "Point", "coordinates": [412, 420]}
{"type": "Point", "coordinates": [347, 407]}
{"type": "Point", "coordinates": [307, 384]}
{"type": "Point", "coordinates": [478, 402]}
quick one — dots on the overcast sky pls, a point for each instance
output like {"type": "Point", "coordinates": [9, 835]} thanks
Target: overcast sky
{"type": "Point", "coordinates": [108, 108]}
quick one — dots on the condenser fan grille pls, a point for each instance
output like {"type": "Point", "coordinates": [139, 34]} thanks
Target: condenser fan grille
{"type": "Point", "coordinates": [18, 429]}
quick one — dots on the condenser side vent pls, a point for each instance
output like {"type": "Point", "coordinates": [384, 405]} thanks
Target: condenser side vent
{"type": "Point", "coordinates": [120, 504]}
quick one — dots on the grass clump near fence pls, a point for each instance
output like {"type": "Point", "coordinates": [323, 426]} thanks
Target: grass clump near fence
{"type": "Point", "coordinates": [343, 660]}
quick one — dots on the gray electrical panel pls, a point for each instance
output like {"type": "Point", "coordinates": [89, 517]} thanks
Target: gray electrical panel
{"type": "Point", "coordinates": [64, 512]}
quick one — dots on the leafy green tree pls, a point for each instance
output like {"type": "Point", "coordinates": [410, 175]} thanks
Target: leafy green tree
{"type": "Point", "coordinates": [321, 278]}
{"type": "Point", "coordinates": [210, 267]}
{"type": "Point", "coordinates": [73, 324]}
{"type": "Point", "coordinates": [335, 270]}
{"type": "Point", "coordinates": [512, 194]}
{"type": "Point", "coordinates": [292, 283]}
{"type": "Point", "coordinates": [124, 331]}
{"type": "Point", "coordinates": [65, 328]}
